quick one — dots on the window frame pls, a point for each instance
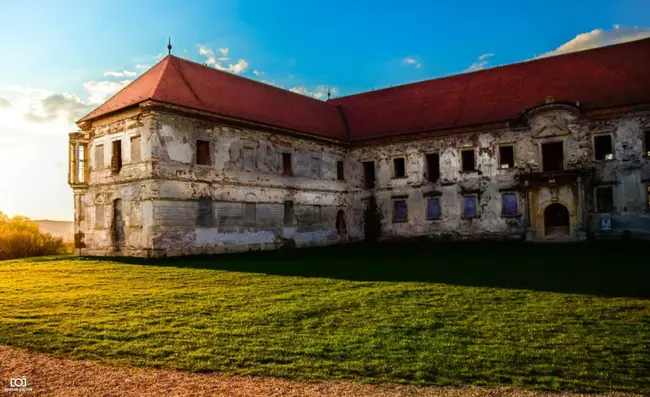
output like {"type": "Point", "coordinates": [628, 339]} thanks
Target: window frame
{"type": "Point", "coordinates": [611, 142]}
{"type": "Point", "coordinates": [315, 167]}
{"type": "Point", "coordinates": [406, 209]}
{"type": "Point", "coordinates": [439, 209]}
{"type": "Point", "coordinates": [462, 162]}
{"type": "Point", "coordinates": [596, 209]}
{"type": "Point", "coordinates": [210, 220]}
{"type": "Point", "coordinates": [373, 184]}
{"type": "Point", "coordinates": [243, 159]}
{"type": "Point", "coordinates": [646, 142]}
{"type": "Point", "coordinates": [428, 168]}
{"type": "Point", "coordinates": [253, 205]}
{"type": "Point", "coordinates": [541, 154]}
{"type": "Point", "coordinates": [518, 212]}
{"type": "Point", "coordinates": [287, 160]}
{"type": "Point", "coordinates": [340, 170]}
{"type": "Point", "coordinates": [209, 154]}
{"type": "Point", "coordinates": [499, 162]}
{"type": "Point", "coordinates": [395, 159]}
{"type": "Point", "coordinates": [117, 143]}
{"type": "Point", "coordinates": [96, 166]}
{"type": "Point", "coordinates": [139, 146]}
{"type": "Point", "coordinates": [288, 217]}
{"type": "Point", "coordinates": [477, 213]}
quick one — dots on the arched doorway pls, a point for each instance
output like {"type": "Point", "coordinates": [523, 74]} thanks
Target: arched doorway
{"type": "Point", "coordinates": [556, 220]}
{"type": "Point", "coordinates": [341, 227]}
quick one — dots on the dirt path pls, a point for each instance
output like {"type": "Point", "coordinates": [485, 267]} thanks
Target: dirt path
{"type": "Point", "coordinates": [49, 376]}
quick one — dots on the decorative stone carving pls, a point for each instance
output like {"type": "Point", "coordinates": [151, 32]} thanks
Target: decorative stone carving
{"type": "Point", "coordinates": [551, 120]}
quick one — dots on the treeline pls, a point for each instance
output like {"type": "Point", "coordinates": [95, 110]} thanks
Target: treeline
{"type": "Point", "coordinates": [20, 238]}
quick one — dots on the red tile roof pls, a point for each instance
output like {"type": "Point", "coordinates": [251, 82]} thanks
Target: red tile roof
{"type": "Point", "coordinates": [605, 77]}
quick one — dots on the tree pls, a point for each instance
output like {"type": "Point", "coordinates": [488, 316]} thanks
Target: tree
{"type": "Point", "coordinates": [372, 217]}
{"type": "Point", "coordinates": [20, 237]}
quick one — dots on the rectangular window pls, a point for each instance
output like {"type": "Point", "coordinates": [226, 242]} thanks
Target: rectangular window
{"type": "Point", "coordinates": [604, 199]}
{"type": "Point", "coordinates": [205, 217]}
{"type": "Point", "coordinates": [286, 164]}
{"type": "Point", "coordinates": [506, 157]}
{"type": "Point", "coordinates": [99, 217]}
{"type": "Point", "coordinates": [99, 157]}
{"type": "Point", "coordinates": [603, 147]}
{"type": "Point", "coordinates": [318, 213]}
{"type": "Point", "coordinates": [433, 208]}
{"type": "Point", "coordinates": [339, 171]}
{"type": "Point", "coordinates": [315, 167]}
{"type": "Point", "coordinates": [288, 213]}
{"type": "Point", "coordinates": [135, 149]}
{"type": "Point", "coordinates": [116, 157]}
{"type": "Point", "coordinates": [469, 207]}
{"type": "Point", "coordinates": [81, 170]}
{"type": "Point", "coordinates": [369, 174]}
{"type": "Point", "coordinates": [469, 162]}
{"type": "Point", "coordinates": [509, 204]}
{"type": "Point", "coordinates": [646, 142]}
{"type": "Point", "coordinates": [250, 213]}
{"type": "Point", "coordinates": [248, 155]}
{"type": "Point", "coordinates": [553, 156]}
{"type": "Point", "coordinates": [433, 167]}
{"type": "Point", "coordinates": [399, 211]}
{"type": "Point", "coordinates": [399, 168]}
{"type": "Point", "coordinates": [203, 152]}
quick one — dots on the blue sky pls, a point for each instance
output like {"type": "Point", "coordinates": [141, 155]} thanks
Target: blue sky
{"type": "Point", "coordinates": [77, 53]}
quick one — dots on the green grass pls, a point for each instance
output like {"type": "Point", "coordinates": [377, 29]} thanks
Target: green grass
{"type": "Point", "coordinates": [557, 317]}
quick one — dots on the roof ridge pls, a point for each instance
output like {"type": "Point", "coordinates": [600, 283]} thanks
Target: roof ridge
{"type": "Point", "coordinates": [160, 75]}
{"type": "Point", "coordinates": [179, 71]}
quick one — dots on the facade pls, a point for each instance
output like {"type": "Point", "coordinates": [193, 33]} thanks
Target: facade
{"type": "Point", "coordinates": [192, 160]}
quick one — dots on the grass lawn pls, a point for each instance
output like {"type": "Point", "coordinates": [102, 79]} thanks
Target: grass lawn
{"type": "Point", "coordinates": [558, 317]}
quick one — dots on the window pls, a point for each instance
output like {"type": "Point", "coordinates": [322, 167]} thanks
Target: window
{"type": "Point", "coordinates": [369, 174]}
{"type": "Point", "coordinates": [204, 217]}
{"type": "Point", "coordinates": [506, 157]}
{"type": "Point", "coordinates": [135, 149]}
{"type": "Point", "coordinates": [399, 168]}
{"type": "Point", "coordinates": [250, 212]}
{"type": "Point", "coordinates": [99, 217]}
{"type": "Point", "coordinates": [469, 207]}
{"type": "Point", "coordinates": [288, 213]}
{"type": "Point", "coordinates": [315, 167]}
{"type": "Point", "coordinates": [646, 142]}
{"type": "Point", "coordinates": [339, 171]}
{"type": "Point", "coordinates": [433, 208]}
{"type": "Point", "coordinates": [317, 213]}
{"type": "Point", "coordinates": [603, 147]}
{"type": "Point", "coordinates": [99, 157]}
{"type": "Point", "coordinates": [604, 199]}
{"type": "Point", "coordinates": [248, 155]}
{"type": "Point", "coordinates": [553, 156]}
{"type": "Point", "coordinates": [648, 196]}
{"type": "Point", "coordinates": [116, 157]}
{"type": "Point", "coordinates": [286, 164]}
{"type": "Point", "coordinates": [509, 204]}
{"type": "Point", "coordinates": [399, 211]}
{"type": "Point", "coordinates": [469, 162]}
{"type": "Point", "coordinates": [203, 153]}
{"type": "Point", "coordinates": [81, 171]}
{"type": "Point", "coordinates": [433, 167]}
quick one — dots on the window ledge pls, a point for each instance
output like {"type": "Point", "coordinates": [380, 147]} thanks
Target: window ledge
{"type": "Point", "coordinates": [399, 177]}
{"type": "Point", "coordinates": [400, 220]}
{"type": "Point", "coordinates": [511, 216]}
{"type": "Point", "coordinates": [433, 219]}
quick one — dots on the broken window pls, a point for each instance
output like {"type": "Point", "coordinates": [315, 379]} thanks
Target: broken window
{"type": "Point", "coordinates": [433, 208]}
{"type": "Point", "coordinates": [433, 167]}
{"type": "Point", "coordinates": [288, 213]}
{"type": "Point", "coordinates": [204, 216]}
{"type": "Point", "coordinates": [286, 164]}
{"type": "Point", "coordinates": [203, 152]}
{"type": "Point", "coordinates": [603, 147]}
{"type": "Point", "coordinates": [248, 155]}
{"type": "Point", "coordinates": [506, 157]}
{"type": "Point", "coordinates": [135, 149]}
{"type": "Point", "coordinates": [369, 174]}
{"type": "Point", "coordinates": [399, 168]}
{"type": "Point", "coordinates": [469, 206]}
{"type": "Point", "coordinates": [339, 171]}
{"type": "Point", "coordinates": [509, 204]}
{"type": "Point", "coordinates": [315, 167]}
{"type": "Point", "coordinates": [116, 157]}
{"type": "Point", "coordinates": [399, 211]}
{"type": "Point", "coordinates": [646, 142]}
{"type": "Point", "coordinates": [604, 199]}
{"type": "Point", "coordinates": [553, 156]}
{"type": "Point", "coordinates": [318, 213]}
{"type": "Point", "coordinates": [469, 162]}
{"type": "Point", "coordinates": [250, 212]}
{"type": "Point", "coordinates": [99, 157]}
{"type": "Point", "coordinates": [99, 217]}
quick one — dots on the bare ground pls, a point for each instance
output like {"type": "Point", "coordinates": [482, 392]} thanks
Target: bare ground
{"type": "Point", "coordinates": [51, 376]}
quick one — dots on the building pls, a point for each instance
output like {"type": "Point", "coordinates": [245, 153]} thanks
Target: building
{"type": "Point", "coordinates": [188, 159]}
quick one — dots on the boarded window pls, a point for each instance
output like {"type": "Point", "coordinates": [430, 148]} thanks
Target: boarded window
{"type": "Point", "coordinates": [469, 162]}
{"type": "Point", "coordinates": [469, 206]}
{"type": "Point", "coordinates": [250, 213]}
{"type": "Point", "coordinates": [116, 156]}
{"type": "Point", "coordinates": [99, 217]}
{"type": "Point", "coordinates": [203, 152]}
{"type": "Point", "coordinates": [433, 208]}
{"type": "Point", "coordinates": [339, 171]}
{"type": "Point", "coordinates": [204, 216]}
{"type": "Point", "coordinates": [399, 168]}
{"type": "Point", "coordinates": [506, 157]}
{"type": "Point", "coordinates": [369, 174]}
{"type": "Point", "coordinates": [399, 211]}
{"type": "Point", "coordinates": [80, 208]}
{"type": "Point", "coordinates": [288, 213]}
{"type": "Point", "coordinates": [286, 164]}
{"type": "Point", "coordinates": [249, 159]}
{"type": "Point", "coordinates": [315, 167]}
{"type": "Point", "coordinates": [509, 204]}
{"type": "Point", "coordinates": [135, 149]}
{"type": "Point", "coordinates": [604, 199]}
{"type": "Point", "coordinates": [99, 157]}
{"type": "Point", "coordinates": [318, 214]}
{"type": "Point", "coordinates": [433, 167]}
{"type": "Point", "coordinates": [553, 156]}
{"type": "Point", "coordinates": [603, 147]}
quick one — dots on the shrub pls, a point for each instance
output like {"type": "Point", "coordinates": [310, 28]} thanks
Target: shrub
{"type": "Point", "coordinates": [20, 238]}
{"type": "Point", "coordinates": [372, 220]}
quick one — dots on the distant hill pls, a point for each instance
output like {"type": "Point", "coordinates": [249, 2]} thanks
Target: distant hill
{"type": "Point", "coordinates": [63, 229]}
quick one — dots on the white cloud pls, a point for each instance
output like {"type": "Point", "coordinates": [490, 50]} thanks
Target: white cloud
{"type": "Point", "coordinates": [224, 51]}
{"type": "Point", "coordinates": [481, 63]}
{"type": "Point", "coordinates": [218, 62]}
{"type": "Point", "coordinates": [412, 61]}
{"type": "Point", "coordinates": [598, 38]}
{"type": "Point", "coordinates": [121, 74]}
{"type": "Point", "coordinates": [257, 73]}
{"type": "Point", "coordinates": [141, 67]}
{"type": "Point", "coordinates": [100, 91]}
{"type": "Point", "coordinates": [159, 55]}
{"type": "Point", "coordinates": [4, 103]}
{"type": "Point", "coordinates": [319, 92]}
{"type": "Point", "coordinates": [66, 106]}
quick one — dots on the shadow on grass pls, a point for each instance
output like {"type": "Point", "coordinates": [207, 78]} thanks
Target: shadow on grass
{"type": "Point", "coordinates": [601, 268]}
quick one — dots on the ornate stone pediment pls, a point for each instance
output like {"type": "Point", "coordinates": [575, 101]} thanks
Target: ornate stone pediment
{"type": "Point", "coordinates": [551, 120]}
